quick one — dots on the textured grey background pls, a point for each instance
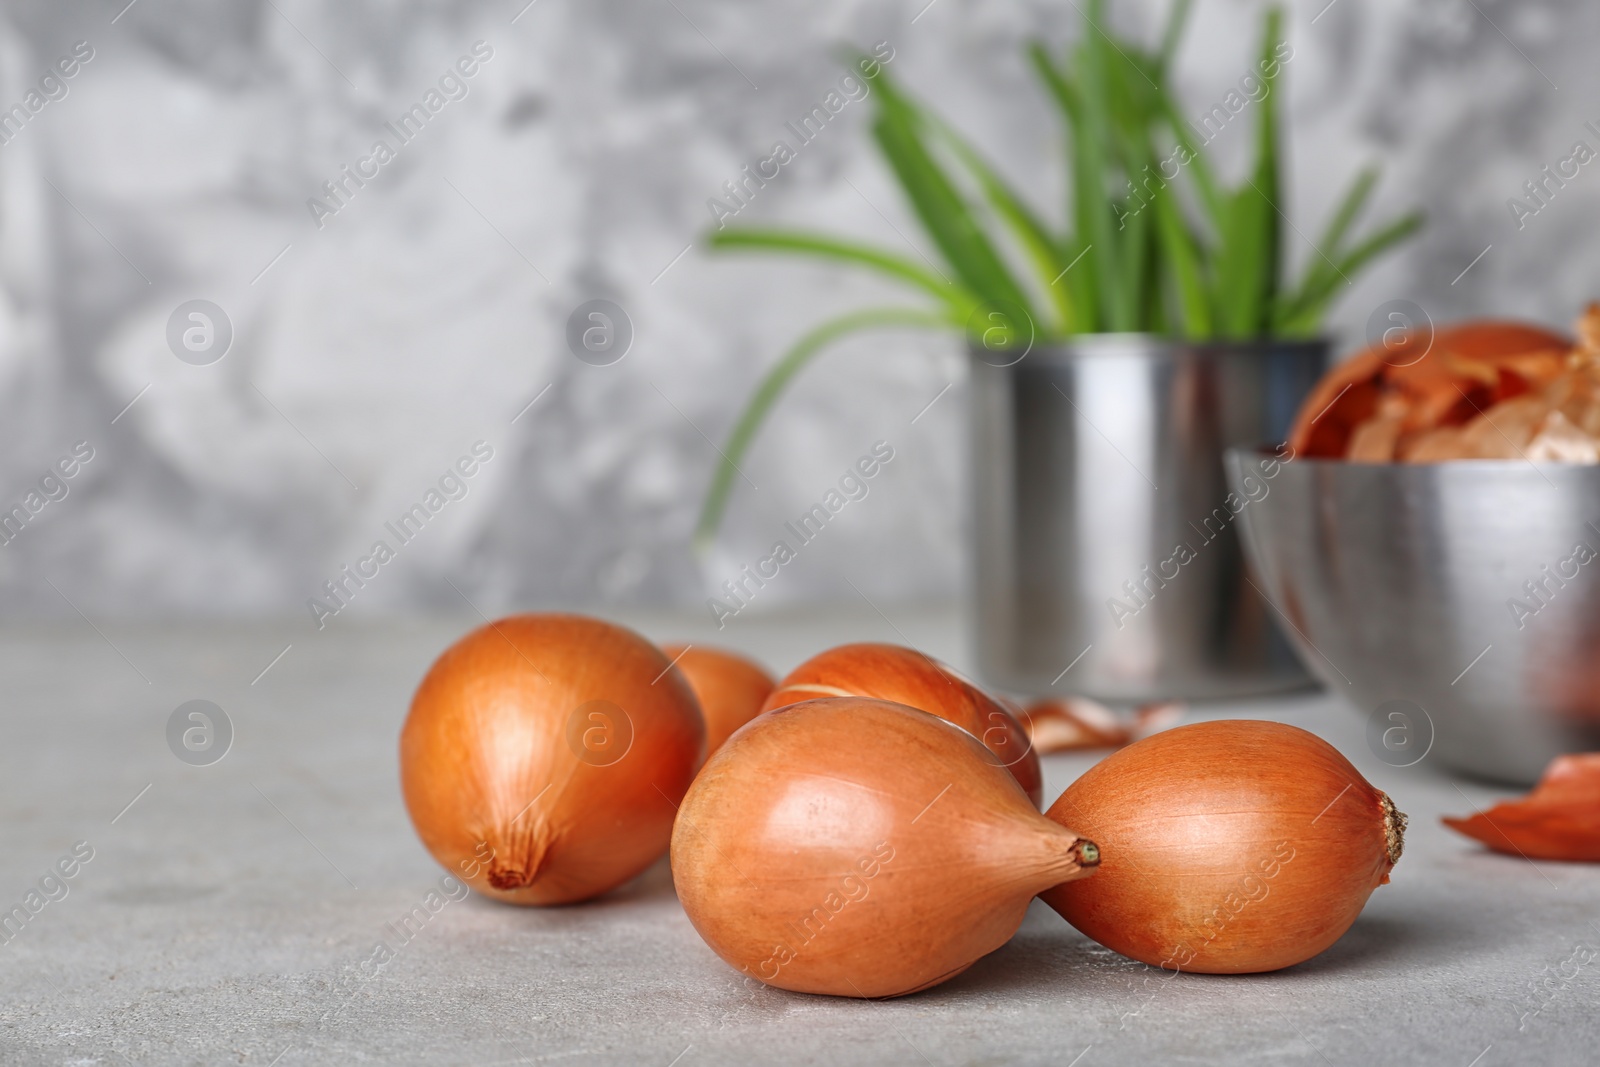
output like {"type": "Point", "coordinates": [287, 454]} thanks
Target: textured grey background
{"type": "Point", "coordinates": [430, 311]}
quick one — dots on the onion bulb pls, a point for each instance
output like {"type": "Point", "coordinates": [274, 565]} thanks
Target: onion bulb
{"type": "Point", "coordinates": [730, 687]}
{"type": "Point", "coordinates": [1231, 847]}
{"type": "Point", "coordinates": [861, 848]}
{"type": "Point", "coordinates": [544, 756]}
{"type": "Point", "coordinates": [906, 676]}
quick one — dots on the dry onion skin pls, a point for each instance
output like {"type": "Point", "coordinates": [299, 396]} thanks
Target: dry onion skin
{"type": "Point", "coordinates": [544, 756]}
{"type": "Point", "coordinates": [1068, 724]}
{"type": "Point", "coordinates": [1230, 847]}
{"type": "Point", "coordinates": [1379, 404]}
{"type": "Point", "coordinates": [1072, 724]}
{"type": "Point", "coordinates": [861, 848]}
{"type": "Point", "coordinates": [906, 676]}
{"type": "Point", "coordinates": [1559, 820]}
{"type": "Point", "coordinates": [730, 687]}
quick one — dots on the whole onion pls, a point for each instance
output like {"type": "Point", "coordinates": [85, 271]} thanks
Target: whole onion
{"type": "Point", "coordinates": [906, 676]}
{"type": "Point", "coordinates": [1230, 847]}
{"type": "Point", "coordinates": [730, 687]}
{"type": "Point", "coordinates": [544, 756]}
{"type": "Point", "coordinates": [861, 848]}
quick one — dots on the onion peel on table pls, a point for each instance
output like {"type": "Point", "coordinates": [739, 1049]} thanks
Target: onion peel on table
{"type": "Point", "coordinates": [1559, 820]}
{"type": "Point", "coordinates": [1071, 724]}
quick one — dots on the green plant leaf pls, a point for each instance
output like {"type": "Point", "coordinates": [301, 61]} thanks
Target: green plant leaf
{"type": "Point", "coordinates": [1331, 244]}
{"type": "Point", "coordinates": [1182, 253]}
{"type": "Point", "coordinates": [1084, 274]}
{"type": "Point", "coordinates": [1078, 283]}
{"type": "Point", "coordinates": [771, 240]}
{"type": "Point", "coordinates": [1248, 265]}
{"type": "Point", "coordinates": [1305, 316]}
{"type": "Point", "coordinates": [1177, 19]}
{"type": "Point", "coordinates": [1043, 250]}
{"type": "Point", "coordinates": [1094, 164]}
{"type": "Point", "coordinates": [1380, 242]}
{"type": "Point", "coordinates": [1349, 208]}
{"type": "Point", "coordinates": [1183, 259]}
{"type": "Point", "coordinates": [772, 386]}
{"type": "Point", "coordinates": [938, 204]}
{"type": "Point", "coordinates": [1240, 265]}
{"type": "Point", "coordinates": [1135, 94]}
{"type": "Point", "coordinates": [1193, 162]}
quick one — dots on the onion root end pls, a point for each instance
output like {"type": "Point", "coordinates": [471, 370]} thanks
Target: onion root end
{"type": "Point", "coordinates": [1394, 830]}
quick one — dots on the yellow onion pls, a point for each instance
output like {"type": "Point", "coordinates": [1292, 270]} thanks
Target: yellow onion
{"type": "Point", "coordinates": [730, 687]}
{"type": "Point", "coordinates": [906, 676]}
{"type": "Point", "coordinates": [544, 756]}
{"type": "Point", "coordinates": [1230, 847]}
{"type": "Point", "coordinates": [861, 848]}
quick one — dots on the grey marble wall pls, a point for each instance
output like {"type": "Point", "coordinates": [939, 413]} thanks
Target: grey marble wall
{"type": "Point", "coordinates": [374, 345]}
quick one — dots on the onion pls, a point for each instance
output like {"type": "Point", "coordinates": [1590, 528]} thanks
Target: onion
{"type": "Point", "coordinates": [1231, 847]}
{"type": "Point", "coordinates": [906, 676]}
{"type": "Point", "coordinates": [730, 688]}
{"type": "Point", "coordinates": [544, 756]}
{"type": "Point", "coordinates": [861, 848]}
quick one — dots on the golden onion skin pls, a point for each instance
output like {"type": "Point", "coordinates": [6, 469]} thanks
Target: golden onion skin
{"type": "Point", "coordinates": [731, 688]}
{"type": "Point", "coordinates": [861, 848]}
{"type": "Point", "coordinates": [1230, 847]}
{"type": "Point", "coordinates": [906, 676]}
{"type": "Point", "coordinates": [544, 756]}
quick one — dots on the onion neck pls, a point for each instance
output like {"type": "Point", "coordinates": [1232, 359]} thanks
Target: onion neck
{"type": "Point", "coordinates": [1067, 857]}
{"type": "Point", "coordinates": [1394, 830]}
{"type": "Point", "coordinates": [517, 865]}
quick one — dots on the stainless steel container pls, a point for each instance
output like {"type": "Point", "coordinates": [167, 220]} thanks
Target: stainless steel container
{"type": "Point", "coordinates": [1104, 555]}
{"type": "Point", "coordinates": [1457, 603]}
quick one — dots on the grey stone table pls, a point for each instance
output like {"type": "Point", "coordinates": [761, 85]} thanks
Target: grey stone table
{"type": "Point", "coordinates": [226, 910]}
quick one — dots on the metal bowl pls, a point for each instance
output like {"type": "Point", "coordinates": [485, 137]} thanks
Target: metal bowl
{"type": "Point", "coordinates": [1456, 604]}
